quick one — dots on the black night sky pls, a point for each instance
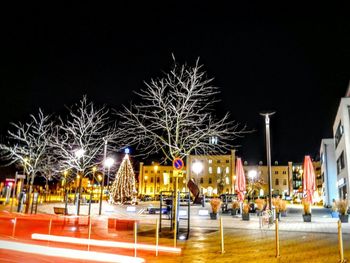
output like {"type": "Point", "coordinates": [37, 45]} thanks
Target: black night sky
{"type": "Point", "coordinates": [291, 59]}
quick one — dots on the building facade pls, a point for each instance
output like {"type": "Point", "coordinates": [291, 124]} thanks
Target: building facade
{"type": "Point", "coordinates": [328, 172]}
{"type": "Point", "coordinates": [214, 174]}
{"type": "Point", "coordinates": [341, 132]}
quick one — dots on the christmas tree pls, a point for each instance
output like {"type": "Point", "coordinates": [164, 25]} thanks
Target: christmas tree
{"type": "Point", "coordinates": [123, 188]}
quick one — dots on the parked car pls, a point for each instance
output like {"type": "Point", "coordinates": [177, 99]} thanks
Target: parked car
{"type": "Point", "coordinates": [146, 198]}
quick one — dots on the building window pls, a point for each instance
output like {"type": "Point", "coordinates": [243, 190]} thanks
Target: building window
{"type": "Point", "coordinates": [201, 181]}
{"type": "Point", "coordinates": [158, 180]}
{"type": "Point", "coordinates": [227, 170]}
{"type": "Point", "coordinates": [340, 163]}
{"type": "Point", "coordinates": [284, 172]}
{"type": "Point", "coordinates": [284, 181]}
{"type": "Point", "coordinates": [151, 190]}
{"type": "Point", "coordinates": [151, 179]}
{"type": "Point", "coordinates": [218, 170]}
{"type": "Point", "coordinates": [276, 182]}
{"type": "Point", "coordinates": [218, 161]}
{"type": "Point", "coordinates": [210, 161]}
{"type": "Point", "coordinates": [158, 171]}
{"type": "Point", "coordinates": [151, 171]}
{"type": "Point", "coordinates": [171, 180]}
{"type": "Point", "coordinates": [276, 172]}
{"type": "Point", "coordinates": [209, 180]}
{"type": "Point", "coordinates": [227, 161]}
{"type": "Point", "coordinates": [210, 170]}
{"type": "Point", "coordinates": [146, 171]}
{"type": "Point", "coordinates": [338, 134]}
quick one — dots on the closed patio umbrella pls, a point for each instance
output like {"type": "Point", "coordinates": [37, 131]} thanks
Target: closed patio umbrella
{"type": "Point", "coordinates": [240, 185]}
{"type": "Point", "coordinates": [309, 184]}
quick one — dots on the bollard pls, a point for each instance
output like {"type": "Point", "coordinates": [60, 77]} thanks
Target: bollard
{"type": "Point", "coordinates": [50, 225]}
{"type": "Point", "coordinates": [14, 227]}
{"type": "Point", "coordinates": [157, 236]}
{"type": "Point", "coordinates": [89, 232]}
{"type": "Point", "coordinates": [222, 236]}
{"type": "Point", "coordinates": [340, 241]}
{"type": "Point", "coordinates": [277, 240]}
{"type": "Point", "coordinates": [135, 237]}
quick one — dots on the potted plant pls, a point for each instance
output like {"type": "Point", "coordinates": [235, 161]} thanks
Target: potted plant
{"type": "Point", "coordinates": [245, 212]}
{"type": "Point", "coordinates": [307, 211]}
{"type": "Point", "coordinates": [334, 212]}
{"type": "Point", "coordinates": [276, 202]}
{"type": "Point", "coordinates": [260, 203]}
{"type": "Point", "coordinates": [235, 207]}
{"type": "Point", "coordinates": [215, 207]}
{"type": "Point", "coordinates": [342, 207]}
{"type": "Point", "coordinates": [283, 208]}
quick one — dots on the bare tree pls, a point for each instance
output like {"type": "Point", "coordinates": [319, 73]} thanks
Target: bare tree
{"type": "Point", "coordinates": [176, 116]}
{"type": "Point", "coordinates": [80, 140]}
{"type": "Point", "coordinates": [28, 145]}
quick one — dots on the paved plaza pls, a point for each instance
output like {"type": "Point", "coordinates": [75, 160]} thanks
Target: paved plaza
{"type": "Point", "coordinates": [244, 241]}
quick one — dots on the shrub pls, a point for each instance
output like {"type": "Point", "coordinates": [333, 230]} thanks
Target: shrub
{"type": "Point", "coordinates": [260, 203]}
{"type": "Point", "coordinates": [306, 207]}
{"type": "Point", "coordinates": [342, 206]}
{"type": "Point", "coordinates": [235, 204]}
{"type": "Point", "coordinates": [215, 205]}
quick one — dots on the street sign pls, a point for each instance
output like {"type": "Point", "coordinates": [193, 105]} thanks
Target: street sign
{"type": "Point", "coordinates": [178, 164]}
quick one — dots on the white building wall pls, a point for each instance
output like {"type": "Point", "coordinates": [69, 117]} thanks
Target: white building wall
{"type": "Point", "coordinates": [329, 171]}
{"type": "Point", "coordinates": [343, 146]}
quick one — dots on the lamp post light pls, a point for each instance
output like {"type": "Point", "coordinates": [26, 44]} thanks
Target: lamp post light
{"type": "Point", "coordinates": [268, 153]}
{"type": "Point", "coordinates": [108, 163]}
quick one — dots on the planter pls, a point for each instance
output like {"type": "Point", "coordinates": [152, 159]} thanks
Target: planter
{"type": "Point", "coordinates": [307, 218]}
{"type": "Point", "coordinates": [344, 218]}
{"type": "Point", "coordinates": [245, 217]}
{"type": "Point", "coordinates": [213, 216]}
{"type": "Point", "coordinates": [233, 212]}
{"type": "Point", "coordinates": [335, 214]}
{"type": "Point", "coordinates": [284, 213]}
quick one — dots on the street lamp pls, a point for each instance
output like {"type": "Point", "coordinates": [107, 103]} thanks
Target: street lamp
{"type": "Point", "coordinates": [268, 153]}
{"type": "Point", "coordinates": [108, 163]}
{"type": "Point", "coordinates": [197, 167]}
{"type": "Point", "coordinates": [252, 174]}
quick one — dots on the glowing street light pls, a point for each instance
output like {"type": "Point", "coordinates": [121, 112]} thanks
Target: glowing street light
{"type": "Point", "coordinates": [108, 163]}
{"type": "Point", "coordinates": [197, 167]}
{"type": "Point", "coordinates": [79, 153]}
{"type": "Point", "coordinates": [252, 174]}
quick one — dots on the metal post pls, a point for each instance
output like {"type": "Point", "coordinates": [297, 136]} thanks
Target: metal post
{"type": "Point", "coordinates": [14, 227]}
{"type": "Point", "coordinates": [268, 154]}
{"type": "Point", "coordinates": [157, 236]}
{"type": "Point", "coordinates": [135, 238]}
{"type": "Point", "coordinates": [222, 236]}
{"type": "Point", "coordinates": [277, 240]}
{"type": "Point", "coordinates": [13, 193]}
{"type": "Point", "coordinates": [175, 209]}
{"type": "Point", "coordinates": [340, 242]}
{"type": "Point", "coordinates": [89, 232]}
{"type": "Point", "coordinates": [103, 177]}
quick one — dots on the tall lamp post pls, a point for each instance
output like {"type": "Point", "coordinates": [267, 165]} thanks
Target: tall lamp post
{"type": "Point", "coordinates": [103, 176]}
{"type": "Point", "coordinates": [155, 168]}
{"type": "Point", "coordinates": [268, 152]}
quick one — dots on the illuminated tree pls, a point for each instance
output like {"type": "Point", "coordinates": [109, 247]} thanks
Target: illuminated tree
{"type": "Point", "coordinates": [123, 188]}
{"type": "Point", "coordinates": [176, 116]}
{"type": "Point", "coordinates": [28, 145]}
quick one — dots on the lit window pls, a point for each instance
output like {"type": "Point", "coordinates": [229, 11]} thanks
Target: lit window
{"type": "Point", "coordinates": [210, 170]}
{"type": "Point", "coordinates": [218, 170]}
{"type": "Point", "coordinates": [210, 161]}
{"type": "Point", "coordinates": [227, 180]}
{"type": "Point", "coordinates": [227, 170]}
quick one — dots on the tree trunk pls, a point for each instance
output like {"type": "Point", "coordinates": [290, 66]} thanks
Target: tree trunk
{"type": "Point", "coordinates": [29, 194]}
{"type": "Point", "coordinates": [79, 192]}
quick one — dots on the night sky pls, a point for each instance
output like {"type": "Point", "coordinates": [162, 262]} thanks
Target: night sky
{"type": "Point", "coordinates": [290, 59]}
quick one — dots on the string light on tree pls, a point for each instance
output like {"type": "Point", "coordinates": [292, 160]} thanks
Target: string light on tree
{"type": "Point", "coordinates": [124, 186]}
